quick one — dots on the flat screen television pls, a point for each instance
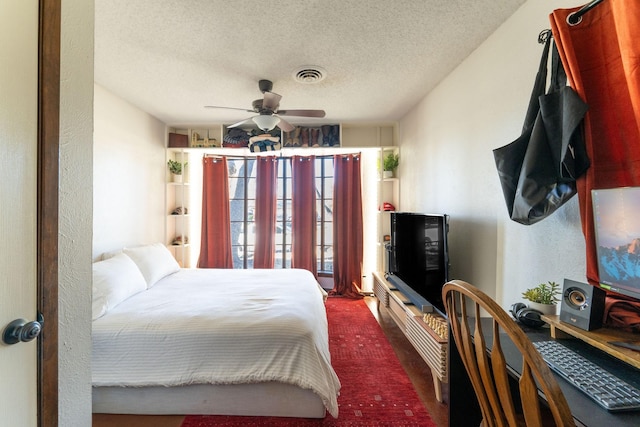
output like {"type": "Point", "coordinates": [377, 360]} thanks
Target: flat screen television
{"type": "Point", "coordinates": [616, 213]}
{"type": "Point", "coordinates": [418, 259]}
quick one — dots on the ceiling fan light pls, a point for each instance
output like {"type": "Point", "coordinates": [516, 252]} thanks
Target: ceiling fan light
{"type": "Point", "coordinates": [266, 122]}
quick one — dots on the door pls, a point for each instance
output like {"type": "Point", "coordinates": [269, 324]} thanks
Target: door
{"type": "Point", "coordinates": [29, 140]}
{"type": "Point", "coordinates": [18, 199]}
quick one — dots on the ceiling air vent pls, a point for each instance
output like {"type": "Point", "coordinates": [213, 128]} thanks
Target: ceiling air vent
{"type": "Point", "coordinates": [309, 74]}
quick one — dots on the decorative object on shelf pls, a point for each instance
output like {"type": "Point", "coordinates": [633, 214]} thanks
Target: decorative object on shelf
{"type": "Point", "coordinates": [388, 207]}
{"type": "Point", "coordinates": [236, 138]}
{"type": "Point", "coordinates": [390, 164]}
{"type": "Point", "coordinates": [204, 142]}
{"type": "Point", "coordinates": [437, 323]}
{"type": "Point", "coordinates": [330, 135]}
{"type": "Point", "coordinates": [304, 137]}
{"type": "Point", "coordinates": [180, 240]}
{"type": "Point", "coordinates": [543, 297]}
{"type": "Point", "coordinates": [313, 136]}
{"type": "Point", "coordinates": [178, 140]}
{"type": "Point", "coordinates": [175, 168]}
{"type": "Point", "coordinates": [180, 210]}
{"type": "Point", "coordinates": [292, 138]}
{"type": "Point", "coordinates": [264, 142]}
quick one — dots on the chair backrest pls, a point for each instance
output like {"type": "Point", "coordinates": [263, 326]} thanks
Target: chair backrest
{"type": "Point", "coordinates": [489, 376]}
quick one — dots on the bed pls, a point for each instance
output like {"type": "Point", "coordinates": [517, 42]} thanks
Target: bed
{"type": "Point", "coordinates": [167, 340]}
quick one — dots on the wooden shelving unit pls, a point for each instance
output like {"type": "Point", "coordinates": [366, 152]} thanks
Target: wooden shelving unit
{"type": "Point", "coordinates": [599, 338]}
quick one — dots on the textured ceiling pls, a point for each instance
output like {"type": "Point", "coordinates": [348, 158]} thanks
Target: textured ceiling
{"type": "Point", "coordinates": [172, 57]}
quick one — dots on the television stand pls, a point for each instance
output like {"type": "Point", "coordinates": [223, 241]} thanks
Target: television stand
{"type": "Point", "coordinates": [427, 333]}
{"type": "Point", "coordinates": [599, 338]}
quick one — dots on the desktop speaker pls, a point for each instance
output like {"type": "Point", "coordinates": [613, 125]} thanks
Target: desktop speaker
{"type": "Point", "coordinates": [582, 305]}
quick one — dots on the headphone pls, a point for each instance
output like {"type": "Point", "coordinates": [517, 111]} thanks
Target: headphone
{"type": "Point", "coordinates": [527, 316]}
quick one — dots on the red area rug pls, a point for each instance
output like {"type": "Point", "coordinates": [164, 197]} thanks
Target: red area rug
{"type": "Point", "coordinates": [376, 391]}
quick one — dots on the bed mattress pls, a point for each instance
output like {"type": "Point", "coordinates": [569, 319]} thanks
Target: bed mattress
{"type": "Point", "coordinates": [219, 326]}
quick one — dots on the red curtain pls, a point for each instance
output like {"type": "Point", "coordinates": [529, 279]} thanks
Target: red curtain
{"type": "Point", "coordinates": [303, 214]}
{"type": "Point", "coordinates": [215, 240]}
{"type": "Point", "coordinates": [347, 225]}
{"type": "Point", "coordinates": [601, 55]}
{"type": "Point", "coordinates": [265, 213]}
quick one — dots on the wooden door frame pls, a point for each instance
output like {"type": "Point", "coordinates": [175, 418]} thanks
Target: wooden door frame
{"type": "Point", "coordinates": [49, 24]}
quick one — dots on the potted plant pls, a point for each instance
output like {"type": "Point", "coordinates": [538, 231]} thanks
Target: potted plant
{"type": "Point", "coordinates": [389, 164]}
{"type": "Point", "coordinates": [543, 297]}
{"type": "Point", "coordinates": [176, 170]}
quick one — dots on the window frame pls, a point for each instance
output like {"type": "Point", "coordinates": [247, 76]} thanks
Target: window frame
{"type": "Point", "coordinates": [324, 194]}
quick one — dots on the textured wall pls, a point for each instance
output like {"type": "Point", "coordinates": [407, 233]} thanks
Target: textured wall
{"type": "Point", "coordinates": [446, 150]}
{"type": "Point", "coordinates": [128, 175]}
{"type": "Point", "coordinates": [75, 210]}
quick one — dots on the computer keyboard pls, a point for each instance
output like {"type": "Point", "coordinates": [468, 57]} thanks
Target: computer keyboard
{"type": "Point", "coordinates": [606, 389]}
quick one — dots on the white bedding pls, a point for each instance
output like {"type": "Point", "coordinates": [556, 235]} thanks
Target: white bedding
{"type": "Point", "coordinates": [218, 326]}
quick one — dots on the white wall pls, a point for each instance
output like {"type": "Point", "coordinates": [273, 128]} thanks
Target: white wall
{"type": "Point", "coordinates": [446, 145]}
{"type": "Point", "coordinates": [129, 175]}
{"type": "Point", "coordinates": [75, 212]}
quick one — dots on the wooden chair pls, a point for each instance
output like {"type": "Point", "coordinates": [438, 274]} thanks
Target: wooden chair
{"type": "Point", "coordinates": [489, 377]}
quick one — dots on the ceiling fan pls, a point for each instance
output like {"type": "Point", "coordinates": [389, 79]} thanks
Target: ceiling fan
{"type": "Point", "coordinates": [268, 114]}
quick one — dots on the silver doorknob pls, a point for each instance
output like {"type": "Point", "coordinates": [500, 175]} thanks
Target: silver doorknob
{"type": "Point", "coordinates": [22, 331]}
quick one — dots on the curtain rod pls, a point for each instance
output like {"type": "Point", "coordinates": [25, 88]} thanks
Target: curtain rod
{"type": "Point", "coordinates": [576, 17]}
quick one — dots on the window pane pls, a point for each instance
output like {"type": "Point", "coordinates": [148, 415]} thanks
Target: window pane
{"type": "Point", "coordinates": [328, 209]}
{"type": "Point", "coordinates": [328, 187]}
{"type": "Point", "coordinates": [235, 167]}
{"type": "Point", "coordinates": [251, 187]}
{"type": "Point", "coordinates": [284, 167]}
{"type": "Point", "coordinates": [328, 233]}
{"type": "Point", "coordinates": [327, 259]}
{"type": "Point", "coordinates": [242, 189]}
{"type": "Point", "coordinates": [284, 188]}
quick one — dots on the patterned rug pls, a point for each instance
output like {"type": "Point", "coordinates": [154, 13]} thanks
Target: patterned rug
{"type": "Point", "coordinates": [376, 391]}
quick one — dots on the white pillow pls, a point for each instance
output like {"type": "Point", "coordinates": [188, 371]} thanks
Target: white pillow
{"type": "Point", "coordinates": [154, 261]}
{"type": "Point", "coordinates": [110, 254]}
{"type": "Point", "coordinates": [114, 280]}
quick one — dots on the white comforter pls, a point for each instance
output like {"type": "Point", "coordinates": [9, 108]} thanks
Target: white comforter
{"type": "Point", "coordinates": [220, 327]}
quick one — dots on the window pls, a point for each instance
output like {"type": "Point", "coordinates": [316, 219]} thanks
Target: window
{"type": "Point", "coordinates": [242, 195]}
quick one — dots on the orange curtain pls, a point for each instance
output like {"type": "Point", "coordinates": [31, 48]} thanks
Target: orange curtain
{"type": "Point", "coordinates": [601, 55]}
{"type": "Point", "coordinates": [347, 225]}
{"type": "Point", "coordinates": [303, 214]}
{"type": "Point", "coordinates": [265, 214]}
{"type": "Point", "coordinates": [215, 240]}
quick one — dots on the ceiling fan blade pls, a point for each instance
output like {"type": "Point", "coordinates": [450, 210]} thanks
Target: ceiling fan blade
{"type": "Point", "coordinates": [302, 113]}
{"type": "Point", "coordinates": [229, 108]}
{"type": "Point", "coordinates": [271, 101]}
{"type": "Point", "coordinates": [241, 123]}
{"type": "Point", "coordinates": [285, 125]}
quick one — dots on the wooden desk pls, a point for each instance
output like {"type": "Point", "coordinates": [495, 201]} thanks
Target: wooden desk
{"type": "Point", "coordinates": [464, 410]}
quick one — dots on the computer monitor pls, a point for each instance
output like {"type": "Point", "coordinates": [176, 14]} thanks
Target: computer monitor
{"type": "Point", "coordinates": [616, 214]}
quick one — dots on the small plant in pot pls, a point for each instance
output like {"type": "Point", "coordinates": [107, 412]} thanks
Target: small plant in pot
{"type": "Point", "coordinates": [543, 297]}
{"type": "Point", "coordinates": [390, 164]}
{"type": "Point", "coordinates": [176, 169]}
